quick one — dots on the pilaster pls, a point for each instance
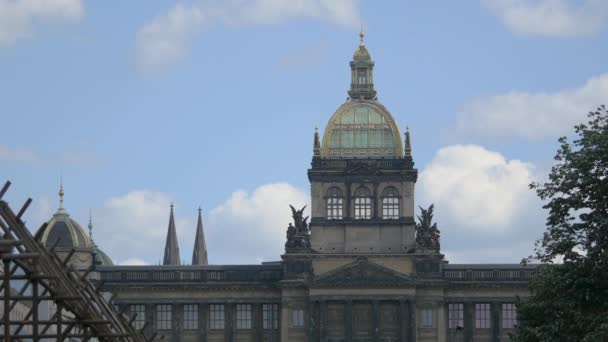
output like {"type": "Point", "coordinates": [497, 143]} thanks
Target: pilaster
{"type": "Point", "coordinates": [348, 320]}
{"type": "Point", "coordinates": [469, 321]}
{"type": "Point", "coordinates": [495, 321]}
{"type": "Point", "coordinates": [376, 320]}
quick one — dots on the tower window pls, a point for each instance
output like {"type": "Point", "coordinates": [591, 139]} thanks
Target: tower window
{"type": "Point", "coordinates": [363, 204]}
{"type": "Point", "coordinates": [361, 76]}
{"type": "Point", "coordinates": [390, 204]}
{"type": "Point", "coordinates": [334, 204]}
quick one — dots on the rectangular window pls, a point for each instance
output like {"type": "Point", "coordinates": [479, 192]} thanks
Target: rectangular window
{"type": "Point", "coordinates": [509, 316]}
{"type": "Point", "coordinates": [482, 316]}
{"type": "Point", "coordinates": [270, 316]}
{"type": "Point", "coordinates": [190, 316]}
{"type": "Point", "coordinates": [216, 316]}
{"type": "Point", "coordinates": [456, 316]}
{"type": "Point", "coordinates": [297, 318]}
{"type": "Point", "coordinates": [163, 316]}
{"type": "Point", "coordinates": [243, 316]}
{"type": "Point", "coordinates": [140, 311]}
{"type": "Point", "coordinates": [426, 317]}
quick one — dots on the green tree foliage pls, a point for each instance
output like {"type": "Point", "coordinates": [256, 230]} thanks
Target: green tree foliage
{"type": "Point", "coordinates": [569, 299]}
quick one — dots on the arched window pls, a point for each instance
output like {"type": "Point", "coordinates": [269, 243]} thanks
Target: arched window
{"type": "Point", "coordinates": [334, 203]}
{"type": "Point", "coordinates": [390, 204]}
{"type": "Point", "coordinates": [363, 204]}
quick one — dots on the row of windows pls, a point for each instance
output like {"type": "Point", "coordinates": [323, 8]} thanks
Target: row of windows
{"type": "Point", "coordinates": [334, 204]}
{"type": "Point", "coordinates": [482, 316]}
{"type": "Point", "coordinates": [216, 317]}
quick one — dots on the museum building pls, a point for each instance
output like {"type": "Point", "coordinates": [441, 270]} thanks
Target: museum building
{"type": "Point", "coordinates": [363, 268]}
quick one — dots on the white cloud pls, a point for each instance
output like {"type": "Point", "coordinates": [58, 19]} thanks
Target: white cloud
{"type": "Point", "coordinates": [20, 155]}
{"type": "Point", "coordinates": [134, 261]}
{"type": "Point", "coordinates": [533, 115]}
{"type": "Point", "coordinates": [17, 17]}
{"type": "Point", "coordinates": [243, 229]}
{"type": "Point", "coordinates": [249, 227]}
{"type": "Point", "coordinates": [134, 226]}
{"type": "Point", "coordinates": [476, 188]}
{"type": "Point", "coordinates": [555, 18]}
{"type": "Point", "coordinates": [166, 39]}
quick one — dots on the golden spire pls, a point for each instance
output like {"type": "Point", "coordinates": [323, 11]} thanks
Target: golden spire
{"type": "Point", "coordinates": [61, 193]}
{"type": "Point", "coordinates": [316, 148]}
{"type": "Point", "coordinates": [408, 143]}
{"type": "Point", "coordinates": [361, 36]}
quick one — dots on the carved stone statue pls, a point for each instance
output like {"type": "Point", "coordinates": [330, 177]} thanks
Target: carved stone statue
{"type": "Point", "coordinates": [298, 234]}
{"type": "Point", "coordinates": [427, 233]}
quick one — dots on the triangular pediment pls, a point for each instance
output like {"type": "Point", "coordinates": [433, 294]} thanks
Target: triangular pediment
{"type": "Point", "coordinates": [363, 273]}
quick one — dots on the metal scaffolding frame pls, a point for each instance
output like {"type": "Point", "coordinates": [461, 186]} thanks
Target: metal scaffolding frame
{"type": "Point", "coordinates": [34, 278]}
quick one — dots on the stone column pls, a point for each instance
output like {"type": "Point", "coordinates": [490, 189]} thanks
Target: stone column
{"type": "Point", "coordinates": [404, 314]}
{"type": "Point", "coordinates": [348, 200]}
{"type": "Point", "coordinates": [323, 321]}
{"type": "Point", "coordinates": [229, 322]}
{"type": "Point", "coordinates": [176, 322]}
{"type": "Point", "coordinates": [348, 320]}
{"type": "Point", "coordinates": [284, 322]}
{"type": "Point", "coordinates": [442, 327]}
{"type": "Point", "coordinates": [469, 321]}
{"type": "Point", "coordinates": [312, 321]}
{"type": "Point", "coordinates": [203, 314]}
{"type": "Point", "coordinates": [376, 321]}
{"type": "Point", "coordinates": [375, 202]}
{"type": "Point", "coordinates": [495, 321]}
{"type": "Point", "coordinates": [412, 325]}
{"type": "Point", "coordinates": [258, 323]}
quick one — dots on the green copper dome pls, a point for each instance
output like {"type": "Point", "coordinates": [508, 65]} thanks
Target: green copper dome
{"type": "Point", "coordinates": [101, 258]}
{"type": "Point", "coordinates": [362, 129]}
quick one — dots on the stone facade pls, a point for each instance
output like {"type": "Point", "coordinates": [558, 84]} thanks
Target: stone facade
{"type": "Point", "coordinates": [356, 272]}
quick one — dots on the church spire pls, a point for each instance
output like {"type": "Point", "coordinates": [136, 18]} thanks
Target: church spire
{"type": "Point", "coordinates": [171, 248]}
{"type": "Point", "coordinates": [316, 149]}
{"type": "Point", "coordinates": [199, 254]}
{"type": "Point", "coordinates": [362, 73]}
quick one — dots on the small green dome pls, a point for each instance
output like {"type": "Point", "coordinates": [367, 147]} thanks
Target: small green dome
{"type": "Point", "coordinates": [362, 129]}
{"type": "Point", "coordinates": [361, 54]}
{"type": "Point", "coordinates": [101, 258]}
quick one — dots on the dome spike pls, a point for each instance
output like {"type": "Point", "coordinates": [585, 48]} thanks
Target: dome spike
{"type": "Point", "coordinates": [61, 193]}
{"type": "Point", "coordinates": [316, 144]}
{"type": "Point", "coordinates": [408, 144]}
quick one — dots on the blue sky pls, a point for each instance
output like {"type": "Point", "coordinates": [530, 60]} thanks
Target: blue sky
{"type": "Point", "coordinates": [214, 103]}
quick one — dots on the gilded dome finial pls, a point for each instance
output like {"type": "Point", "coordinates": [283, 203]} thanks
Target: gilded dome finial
{"type": "Point", "coordinates": [90, 226]}
{"type": "Point", "coordinates": [61, 193]}
{"type": "Point", "coordinates": [361, 36]}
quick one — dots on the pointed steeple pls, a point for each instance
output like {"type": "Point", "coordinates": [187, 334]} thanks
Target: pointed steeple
{"type": "Point", "coordinates": [362, 73]}
{"type": "Point", "coordinates": [171, 248]}
{"type": "Point", "coordinates": [199, 254]}
{"type": "Point", "coordinates": [316, 149]}
{"type": "Point", "coordinates": [408, 144]}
